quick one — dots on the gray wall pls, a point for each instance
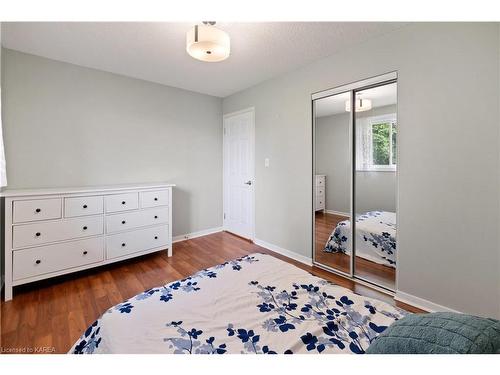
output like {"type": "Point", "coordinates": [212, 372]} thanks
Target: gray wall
{"type": "Point", "coordinates": [66, 125]}
{"type": "Point", "coordinates": [374, 190]}
{"type": "Point", "coordinates": [448, 162]}
{"type": "Point", "coordinates": [332, 160]}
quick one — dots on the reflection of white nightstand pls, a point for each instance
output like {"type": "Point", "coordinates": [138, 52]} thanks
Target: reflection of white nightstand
{"type": "Point", "coordinates": [320, 186]}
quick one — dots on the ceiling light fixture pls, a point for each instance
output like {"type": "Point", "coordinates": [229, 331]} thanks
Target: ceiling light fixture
{"type": "Point", "coordinates": [361, 105]}
{"type": "Point", "coordinates": [208, 43]}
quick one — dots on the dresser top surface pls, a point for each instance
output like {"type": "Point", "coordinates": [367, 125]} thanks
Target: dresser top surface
{"type": "Point", "coordinates": [82, 189]}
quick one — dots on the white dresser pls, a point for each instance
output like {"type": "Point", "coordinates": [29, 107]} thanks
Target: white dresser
{"type": "Point", "coordinates": [319, 191]}
{"type": "Point", "coordinates": [50, 232]}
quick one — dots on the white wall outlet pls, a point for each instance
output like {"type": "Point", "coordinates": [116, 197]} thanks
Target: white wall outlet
{"type": "Point", "coordinates": [266, 162]}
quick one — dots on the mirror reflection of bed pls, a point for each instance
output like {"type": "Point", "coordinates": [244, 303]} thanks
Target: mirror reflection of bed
{"type": "Point", "coordinates": [325, 224]}
{"type": "Point", "coordinates": [371, 269]}
{"type": "Point", "coordinates": [373, 171]}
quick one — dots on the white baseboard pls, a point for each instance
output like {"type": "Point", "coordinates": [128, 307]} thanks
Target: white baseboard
{"type": "Point", "coordinates": [285, 252]}
{"type": "Point", "coordinates": [337, 213]}
{"type": "Point", "coordinates": [421, 303]}
{"type": "Point", "coordinates": [188, 236]}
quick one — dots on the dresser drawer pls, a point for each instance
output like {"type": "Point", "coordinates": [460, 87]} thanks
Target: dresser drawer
{"type": "Point", "coordinates": [51, 231]}
{"type": "Point", "coordinates": [36, 209]}
{"type": "Point", "coordinates": [320, 203]}
{"type": "Point", "coordinates": [52, 258]}
{"type": "Point", "coordinates": [83, 206]}
{"type": "Point", "coordinates": [153, 198]}
{"type": "Point", "coordinates": [320, 191]}
{"type": "Point", "coordinates": [122, 202]}
{"type": "Point", "coordinates": [126, 243]}
{"type": "Point", "coordinates": [136, 219]}
{"type": "Point", "coordinates": [320, 181]}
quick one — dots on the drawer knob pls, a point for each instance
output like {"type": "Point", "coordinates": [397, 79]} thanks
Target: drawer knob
{"type": "Point", "coordinates": [85, 228]}
{"type": "Point", "coordinates": [123, 244]}
{"type": "Point", "coordinates": [37, 234]}
{"type": "Point", "coordinates": [156, 199]}
{"type": "Point", "coordinates": [156, 237]}
{"type": "Point", "coordinates": [123, 202]}
{"type": "Point", "coordinates": [38, 261]}
{"type": "Point", "coordinates": [84, 206]}
{"type": "Point", "coordinates": [85, 252]}
{"type": "Point", "coordinates": [156, 216]}
{"type": "Point", "coordinates": [123, 221]}
{"type": "Point", "coordinates": [38, 210]}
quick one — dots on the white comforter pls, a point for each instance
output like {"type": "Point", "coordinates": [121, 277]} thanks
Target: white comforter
{"type": "Point", "coordinates": [375, 237]}
{"type": "Point", "coordinates": [255, 304]}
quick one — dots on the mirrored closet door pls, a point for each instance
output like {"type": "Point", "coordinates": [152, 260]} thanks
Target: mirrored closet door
{"type": "Point", "coordinates": [332, 181]}
{"type": "Point", "coordinates": [375, 185]}
{"type": "Point", "coordinates": [355, 180]}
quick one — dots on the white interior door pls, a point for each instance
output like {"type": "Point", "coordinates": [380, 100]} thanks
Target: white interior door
{"type": "Point", "coordinates": [239, 172]}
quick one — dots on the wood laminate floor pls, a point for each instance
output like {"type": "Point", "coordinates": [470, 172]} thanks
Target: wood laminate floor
{"type": "Point", "coordinates": [53, 313]}
{"type": "Point", "coordinates": [377, 273]}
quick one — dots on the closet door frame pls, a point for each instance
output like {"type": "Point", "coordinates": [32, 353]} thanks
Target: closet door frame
{"type": "Point", "coordinates": [352, 88]}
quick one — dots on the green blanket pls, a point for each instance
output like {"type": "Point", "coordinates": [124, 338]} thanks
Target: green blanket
{"type": "Point", "coordinates": [439, 333]}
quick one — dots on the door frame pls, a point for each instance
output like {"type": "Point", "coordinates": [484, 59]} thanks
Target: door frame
{"type": "Point", "coordinates": [252, 166]}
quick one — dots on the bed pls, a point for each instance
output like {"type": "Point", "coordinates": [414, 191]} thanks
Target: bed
{"type": "Point", "coordinates": [254, 304]}
{"type": "Point", "coordinates": [375, 237]}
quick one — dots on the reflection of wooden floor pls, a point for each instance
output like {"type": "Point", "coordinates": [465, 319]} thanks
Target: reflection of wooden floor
{"type": "Point", "coordinates": [324, 225]}
{"type": "Point", "coordinates": [378, 273]}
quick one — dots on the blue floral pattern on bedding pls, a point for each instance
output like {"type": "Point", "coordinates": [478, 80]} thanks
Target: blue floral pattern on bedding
{"type": "Point", "coordinates": [191, 341]}
{"type": "Point", "coordinates": [375, 237]}
{"type": "Point", "coordinates": [334, 315]}
{"type": "Point", "coordinates": [254, 304]}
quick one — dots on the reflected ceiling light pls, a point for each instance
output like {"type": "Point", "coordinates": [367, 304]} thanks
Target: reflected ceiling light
{"type": "Point", "coordinates": [361, 105]}
{"type": "Point", "coordinates": [208, 43]}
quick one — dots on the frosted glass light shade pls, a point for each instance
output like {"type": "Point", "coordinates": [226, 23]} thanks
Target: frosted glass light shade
{"type": "Point", "coordinates": [208, 43]}
{"type": "Point", "coordinates": [361, 105]}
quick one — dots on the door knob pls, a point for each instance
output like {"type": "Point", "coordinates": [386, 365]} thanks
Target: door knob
{"type": "Point", "coordinates": [248, 182]}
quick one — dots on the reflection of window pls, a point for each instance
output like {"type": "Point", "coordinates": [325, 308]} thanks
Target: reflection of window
{"type": "Point", "coordinates": [376, 143]}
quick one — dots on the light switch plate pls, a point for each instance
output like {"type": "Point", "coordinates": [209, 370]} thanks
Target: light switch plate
{"type": "Point", "coordinates": [266, 162]}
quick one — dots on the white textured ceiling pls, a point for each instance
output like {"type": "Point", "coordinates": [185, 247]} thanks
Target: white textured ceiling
{"type": "Point", "coordinates": [156, 51]}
